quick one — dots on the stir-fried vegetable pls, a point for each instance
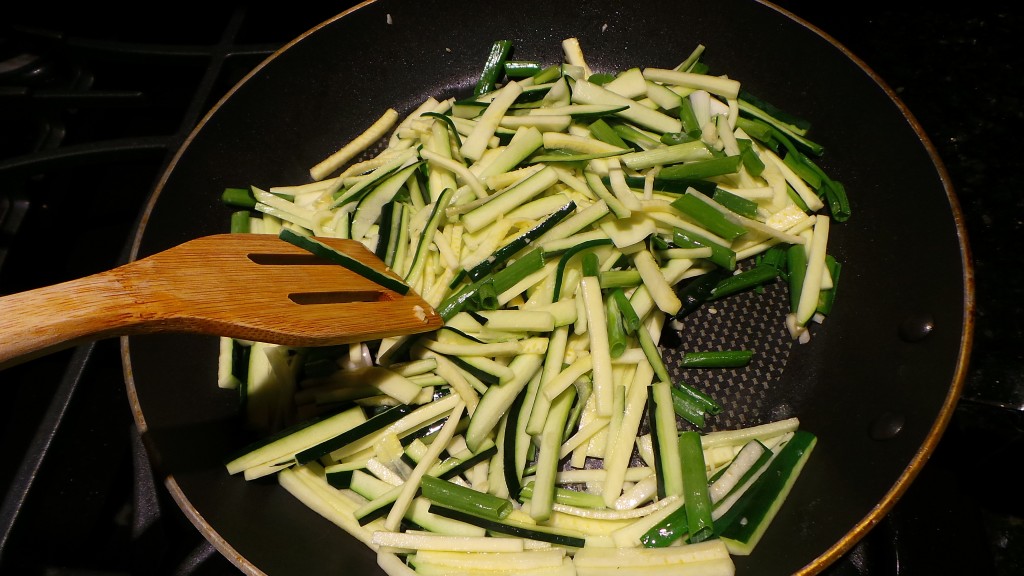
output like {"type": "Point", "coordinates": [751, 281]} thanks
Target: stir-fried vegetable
{"type": "Point", "coordinates": [556, 219]}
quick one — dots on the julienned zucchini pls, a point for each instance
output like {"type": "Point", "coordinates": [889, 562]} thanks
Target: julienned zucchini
{"type": "Point", "coordinates": [324, 251]}
{"type": "Point", "coordinates": [288, 442]}
{"type": "Point", "coordinates": [743, 525]}
{"type": "Point", "coordinates": [515, 528]}
{"type": "Point", "coordinates": [488, 227]}
{"type": "Point", "coordinates": [368, 427]}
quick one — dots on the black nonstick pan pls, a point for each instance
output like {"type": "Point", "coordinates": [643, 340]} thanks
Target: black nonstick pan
{"type": "Point", "coordinates": [876, 383]}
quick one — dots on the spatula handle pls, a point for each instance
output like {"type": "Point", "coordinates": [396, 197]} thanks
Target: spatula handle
{"type": "Point", "coordinates": [44, 320]}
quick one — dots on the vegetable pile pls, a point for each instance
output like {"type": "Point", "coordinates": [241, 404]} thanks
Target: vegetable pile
{"type": "Point", "coordinates": [556, 219]}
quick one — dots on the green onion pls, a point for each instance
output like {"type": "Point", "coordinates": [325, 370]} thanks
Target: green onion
{"type": "Point", "coordinates": [451, 495]}
{"type": "Point", "coordinates": [751, 161]}
{"type": "Point", "coordinates": [697, 291]}
{"type": "Point", "coordinates": [708, 217]}
{"type": "Point", "coordinates": [619, 278]}
{"type": "Point", "coordinates": [738, 204]}
{"type": "Point", "coordinates": [494, 66]}
{"type": "Point", "coordinates": [603, 132]}
{"type": "Point", "coordinates": [721, 254]}
{"type": "Point", "coordinates": [600, 78]}
{"type": "Point", "coordinates": [240, 221]}
{"type": "Point", "coordinates": [591, 265]}
{"type": "Point", "coordinates": [695, 396]}
{"type": "Point", "coordinates": [521, 68]}
{"type": "Point", "coordinates": [629, 316]}
{"type": "Point", "coordinates": [239, 197]}
{"type": "Point", "coordinates": [549, 74]}
{"type": "Point", "coordinates": [686, 408]}
{"type": "Point", "coordinates": [716, 359]}
{"type": "Point", "coordinates": [754, 277]}
{"type": "Point", "coordinates": [702, 169]}
{"type": "Point", "coordinates": [617, 336]}
{"type": "Point", "coordinates": [688, 118]}
{"type": "Point", "coordinates": [827, 297]}
{"type": "Point", "coordinates": [696, 499]}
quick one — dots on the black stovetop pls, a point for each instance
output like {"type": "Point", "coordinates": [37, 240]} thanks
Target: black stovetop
{"type": "Point", "coordinates": [82, 141]}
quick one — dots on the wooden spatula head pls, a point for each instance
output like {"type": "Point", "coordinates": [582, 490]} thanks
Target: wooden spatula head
{"type": "Point", "coordinates": [248, 286]}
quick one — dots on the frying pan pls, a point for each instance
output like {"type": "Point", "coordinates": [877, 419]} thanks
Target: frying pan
{"type": "Point", "coordinates": [877, 382]}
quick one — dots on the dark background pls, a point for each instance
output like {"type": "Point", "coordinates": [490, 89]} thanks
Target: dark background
{"type": "Point", "coordinates": [957, 70]}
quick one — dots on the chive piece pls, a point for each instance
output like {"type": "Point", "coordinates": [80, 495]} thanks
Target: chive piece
{"type": "Point", "coordinates": [795, 161]}
{"type": "Point", "coordinates": [707, 403]}
{"type": "Point", "coordinates": [600, 78]}
{"type": "Point", "coordinates": [746, 108]}
{"type": "Point", "coordinates": [451, 495]}
{"type": "Point", "coordinates": [616, 327]}
{"type": "Point", "coordinates": [751, 161]}
{"type": "Point", "coordinates": [691, 60]}
{"type": "Point", "coordinates": [483, 294]}
{"type": "Point", "coordinates": [631, 134]}
{"type": "Point", "coordinates": [717, 359]}
{"type": "Point", "coordinates": [591, 265]}
{"type": "Point", "coordinates": [696, 498]}
{"type": "Point", "coordinates": [239, 197]}
{"type": "Point", "coordinates": [754, 277]}
{"type": "Point", "coordinates": [800, 125]}
{"type": "Point", "coordinates": [737, 204]}
{"type": "Point", "coordinates": [688, 119]}
{"type": "Point", "coordinates": [827, 297]}
{"type": "Point", "coordinates": [549, 74]}
{"type": "Point", "coordinates": [630, 318]}
{"type": "Point", "coordinates": [796, 264]}
{"type": "Point", "coordinates": [686, 408]}
{"type": "Point", "coordinates": [774, 257]}
{"type": "Point", "coordinates": [708, 217]}
{"type": "Point", "coordinates": [521, 68]}
{"type": "Point", "coordinates": [702, 168]}
{"type": "Point", "coordinates": [324, 251]}
{"type": "Point", "coordinates": [494, 66]}
{"type": "Point", "coordinates": [697, 291]}
{"type": "Point", "coordinates": [721, 254]}
{"type": "Point", "coordinates": [510, 275]}
{"type": "Point", "coordinates": [619, 278]}
{"type": "Point", "coordinates": [240, 222]}
{"type": "Point", "coordinates": [603, 132]}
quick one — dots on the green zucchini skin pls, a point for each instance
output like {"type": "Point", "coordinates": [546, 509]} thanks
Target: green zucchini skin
{"type": "Point", "coordinates": [743, 525]}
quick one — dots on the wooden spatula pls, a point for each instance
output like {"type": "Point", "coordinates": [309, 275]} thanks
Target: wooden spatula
{"type": "Point", "coordinates": [249, 286]}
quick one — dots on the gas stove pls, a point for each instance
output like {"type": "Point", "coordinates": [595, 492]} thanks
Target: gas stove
{"type": "Point", "coordinates": [91, 111]}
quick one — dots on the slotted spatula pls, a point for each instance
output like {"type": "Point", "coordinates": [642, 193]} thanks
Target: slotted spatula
{"type": "Point", "coordinates": [249, 286]}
